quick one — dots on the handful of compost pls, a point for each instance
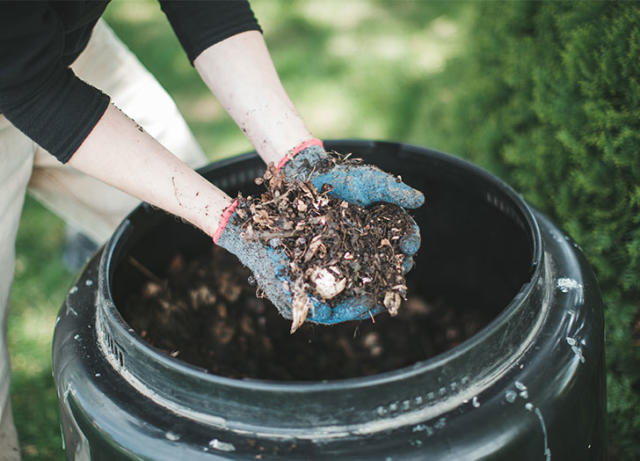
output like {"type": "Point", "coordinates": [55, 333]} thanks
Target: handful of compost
{"type": "Point", "coordinates": [318, 256]}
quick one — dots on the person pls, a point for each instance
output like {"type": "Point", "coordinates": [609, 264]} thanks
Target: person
{"type": "Point", "coordinates": [85, 128]}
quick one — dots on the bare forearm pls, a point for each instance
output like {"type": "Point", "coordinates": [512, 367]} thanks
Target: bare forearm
{"type": "Point", "coordinates": [120, 153]}
{"type": "Point", "coordinates": [239, 71]}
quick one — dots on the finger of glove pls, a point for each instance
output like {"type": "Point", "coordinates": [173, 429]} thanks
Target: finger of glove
{"type": "Point", "coordinates": [407, 264]}
{"type": "Point", "coordinates": [320, 313]}
{"type": "Point", "coordinates": [410, 242]}
{"type": "Point", "coordinates": [366, 184]}
{"type": "Point", "coordinates": [357, 308]}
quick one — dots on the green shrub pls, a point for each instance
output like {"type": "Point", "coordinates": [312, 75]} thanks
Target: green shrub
{"type": "Point", "coordinates": [547, 95]}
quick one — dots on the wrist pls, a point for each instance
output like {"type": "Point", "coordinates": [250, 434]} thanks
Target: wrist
{"type": "Point", "coordinates": [298, 149]}
{"type": "Point", "coordinates": [299, 161]}
{"type": "Point", "coordinates": [224, 221]}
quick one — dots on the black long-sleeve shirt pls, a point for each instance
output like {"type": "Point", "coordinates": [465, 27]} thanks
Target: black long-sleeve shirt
{"type": "Point", "coordinates": [42, 96]}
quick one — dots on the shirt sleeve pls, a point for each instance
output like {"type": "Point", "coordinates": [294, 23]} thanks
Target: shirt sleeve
{"type": "Point", "coordinates": [39, 94]}
{"type": "Point", "coordinates": [200, 24]}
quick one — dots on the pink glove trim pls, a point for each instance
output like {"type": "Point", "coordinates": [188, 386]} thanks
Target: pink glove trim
{"type": "Point", "coordinates": [226, 214]}
{"type": "Point", "coordinates": [298, 148]}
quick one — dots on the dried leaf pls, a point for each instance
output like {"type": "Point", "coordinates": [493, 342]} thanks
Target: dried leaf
{"type": "Point", "coordinates": [315, 244]}
{"type": "Point", "coordinates": [384, 242]}
{"type": "Point", "coordinates": [202, 296]}
{"type": "Point", "coordinates": [392, 302]}
{"type": "Point", "coordinates": [151, 289]}
{"type": "Point", "coordinates": [300, 305]}
{"type": "Point", "coordinates": [261, 217]}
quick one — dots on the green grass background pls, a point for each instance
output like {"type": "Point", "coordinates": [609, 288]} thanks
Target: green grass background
{"type": "Point", "coordinates": [357, 69]}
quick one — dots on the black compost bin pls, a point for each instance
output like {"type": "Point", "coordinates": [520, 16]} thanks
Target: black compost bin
{"type": "Point", "coordinates": [529, 385]}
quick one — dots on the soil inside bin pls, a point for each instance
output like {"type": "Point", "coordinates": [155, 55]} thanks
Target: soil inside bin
{"type": "Point", "coordinates": [204, 311]}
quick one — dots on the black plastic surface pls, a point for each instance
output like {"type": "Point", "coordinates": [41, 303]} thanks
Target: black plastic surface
{"type": "Point", "coordinates": [528, 386]}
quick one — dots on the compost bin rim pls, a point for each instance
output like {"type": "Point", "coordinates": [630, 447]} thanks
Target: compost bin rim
{"type": "Point", "coordinates": [117, 322]}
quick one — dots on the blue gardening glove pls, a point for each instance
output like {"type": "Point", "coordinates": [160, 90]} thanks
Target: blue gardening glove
{"type": "Point", "coordinates": [269, 269]}
{"type": "Point", "coordinates": [363, 185]}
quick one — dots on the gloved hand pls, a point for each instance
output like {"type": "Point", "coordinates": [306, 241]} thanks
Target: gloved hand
{"type": "Point", "coordinates": [363, 185]}
{"type": "Point", "coordinates": [360, 184]}
{"type": "Point", "coordinates": [269, 269]}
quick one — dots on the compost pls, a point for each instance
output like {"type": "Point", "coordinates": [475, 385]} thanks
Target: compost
{"type": "Point", "coordinates": [337, 250]}
{"type": "Point", "coordinates": [205, 312]}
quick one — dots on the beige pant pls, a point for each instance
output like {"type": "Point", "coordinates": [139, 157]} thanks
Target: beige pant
{"type": "Point", "coordinates": [90, 205]}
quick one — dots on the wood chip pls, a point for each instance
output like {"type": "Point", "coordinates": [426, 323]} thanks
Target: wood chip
{"type": "Point", "coordinates": [300, 305]}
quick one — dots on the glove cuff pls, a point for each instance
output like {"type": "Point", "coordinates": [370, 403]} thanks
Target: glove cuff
{"type": "Point", "coordinates": [299, 148]}
{"type": "Point", "coordinates": [224, 220]}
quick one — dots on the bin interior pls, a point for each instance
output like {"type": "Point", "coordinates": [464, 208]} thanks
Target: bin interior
{"type": "Point", "coordinates": [476, 254]}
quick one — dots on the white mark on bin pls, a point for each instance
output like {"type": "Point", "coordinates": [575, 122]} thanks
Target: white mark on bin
{"type": "Point", "coordinates": [577, 350]}
{"type": "Point", "coordinates": [475, 402]}
{"type": "Point", "coordinates": [220, 445]}
{"type": "Point", "coordinates": [524, 393]}
{"type": "Point", "coordinates": [172, 436]}
{"type": "Point", "coordinates": [547, 451]}
{"type": "Point", "coordinates": [565, 284]}
{"type": "Point", "coordinates": [423, 428]}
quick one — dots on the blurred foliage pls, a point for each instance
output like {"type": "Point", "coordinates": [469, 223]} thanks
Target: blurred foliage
{"type": "Point", "coordinates": [543, 94]}
{"type": "Point", "coordinates": [547, 95]}
{"type": "Point", "coordinates": [353, 69]}
{"type": "Point", "coordinates": [40, 284]}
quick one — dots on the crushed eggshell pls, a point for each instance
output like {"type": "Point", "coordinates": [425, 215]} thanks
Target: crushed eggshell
{"type": "Point", "coordinates": [326, 282]}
